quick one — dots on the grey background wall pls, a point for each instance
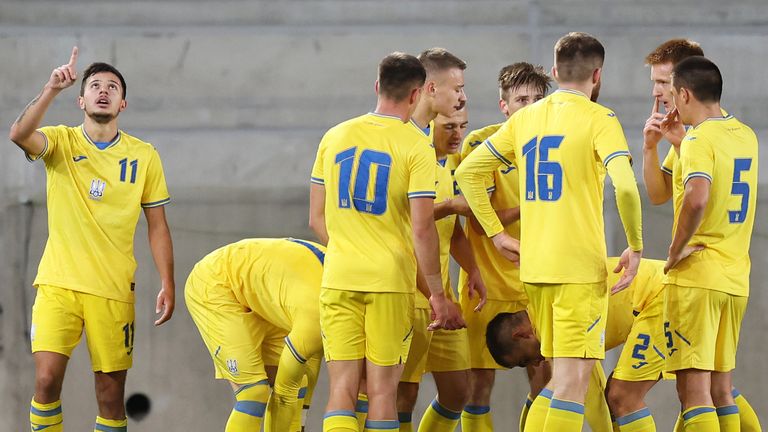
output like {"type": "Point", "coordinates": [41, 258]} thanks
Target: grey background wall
{"type": "Point", "coordinates": [236, 95]}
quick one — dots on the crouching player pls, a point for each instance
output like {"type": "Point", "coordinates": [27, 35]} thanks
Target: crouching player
{"type": "Point", "coordinates": [255, 303]}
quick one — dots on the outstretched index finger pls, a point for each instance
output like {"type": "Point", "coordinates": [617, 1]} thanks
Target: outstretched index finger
{"type": "Point", "coordinates": [73, 57]}
{"type": "Point", "coordinates": [655, 108]}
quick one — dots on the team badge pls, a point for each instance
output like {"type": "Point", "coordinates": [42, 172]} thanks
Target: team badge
{"type": "Point", "coordinates": [232, 366]}
{"type": "Point", "coordinates": [97, 189]}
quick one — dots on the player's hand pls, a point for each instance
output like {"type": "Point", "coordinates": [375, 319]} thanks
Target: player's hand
{"type": "Point", "coordinates": [446, 315]}
{"type": "Point", "coordinates": [476, 287]}
{"type": "Point", "coordinates": [65, 75]}
{"type": "Point", "coordinates": [166, 300]}
{"type": "Point", "coordinates": [459, 206]}
{"type": "Point", "coordinates": [507, 246]}
{"type": "Point", "coordinates": [672, 128]}
{"type": "Point", "coordinates": [675, 258]}
{"type": "Point", "coordinates": [629, 262]}
{"type": "Point", "coordinates": [652, 132]}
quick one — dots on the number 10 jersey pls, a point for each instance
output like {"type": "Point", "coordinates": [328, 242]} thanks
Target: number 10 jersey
{"type": "Point", "coordinates": [371, 166]}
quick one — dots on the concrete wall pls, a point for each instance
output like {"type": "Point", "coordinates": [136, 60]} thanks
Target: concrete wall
{"type": "Point", "coordinates": [236, 94]}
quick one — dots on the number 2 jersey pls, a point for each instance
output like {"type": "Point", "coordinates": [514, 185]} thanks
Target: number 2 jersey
{"type": "Point", "coordinates": [371, 166]}
{"type": "Point", "coordinates": [95, 194]}
{"type": "Point", "coordinates": [725, 152]}
{"type": "Point", "coordinates": [561, 146]}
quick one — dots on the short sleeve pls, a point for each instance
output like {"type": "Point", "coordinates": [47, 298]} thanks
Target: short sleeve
{"type": "Point", "coordinates": [669, 162]}
{"type": "Point", "coordinates": [610, 141]}
{"type": "Point", "coordinates": [155, 192]}
{"type": "Point", "coordinates": [696, 158]}
{"type": "Point", "coordinates": [52, 136]}
{"type": "Point", "coordinates": [422, 172]}
{"type": "Point", "coordinates": [318, 176]}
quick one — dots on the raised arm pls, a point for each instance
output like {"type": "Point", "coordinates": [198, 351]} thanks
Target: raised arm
{"type": "Point", "coordinates": [162, 252]}
{"type": "Point", "coordinates": [24, 130]}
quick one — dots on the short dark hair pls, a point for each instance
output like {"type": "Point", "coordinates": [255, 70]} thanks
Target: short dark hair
{"type": "Point", "coordinates": [500, 343]}
{"type": "Point", "coordinates": [440, 59]}
{"type": "Point", "coordinates": [399, 74]}
{"type": "Point", "coordinates": [701, 76]}
{"type": "Point", "coordinates": [577, 55]}
{"type": "Point", "coordinates": [522, 74]}
{"type": "Point", "coordinates": [673, 51]}
{"type": "Point", "coordinates": [98, 67]}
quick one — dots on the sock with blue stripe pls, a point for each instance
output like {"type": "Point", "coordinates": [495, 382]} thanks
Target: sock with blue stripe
{"type": "Point", "coordinates": [728, 417]}
{"type": "Point", "coordinates": [747, 415]}
{"type": "Point", "coordinates": [361, 410]}
{"type": "Point", "coordinates": [476, 418]}
{"type": "Point", "coordinates": [638, 421]}
{"type": "Point", "coordinates": [298, 416]}
{"type": "Point", "coordinates": [107, 425]}
{"type": "Point", "coordinates": [250, 404]}
{"type": "Point", "coordinates": [405, 419]}
{"type": "Point", "coordinates": [47, 417]}
{"type": "Point", "coordinates": [524, 412]}
{"type": "Point", "coordinates": [340, 421]}
{"type": "Point", "coordinates": [564, 416]}
{"type": "Point", "coordinates": [382, 426]}
{"type": "Point", "coordinates": [438, 418]}
{"type": "Point", "coordinates": [537, 413]}
{"type": "Point", "coordinates": [700, 419]}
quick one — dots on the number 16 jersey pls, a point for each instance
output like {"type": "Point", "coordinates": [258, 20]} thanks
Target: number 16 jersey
{"type": "Point", "coordinates": [371, 166]}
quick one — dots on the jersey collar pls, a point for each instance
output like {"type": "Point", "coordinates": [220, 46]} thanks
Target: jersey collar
{"type": "Point", "coordinates": [102, 145]}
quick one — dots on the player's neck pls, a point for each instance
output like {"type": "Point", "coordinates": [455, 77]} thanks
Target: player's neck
{"type": "Point", "coordinates": [100, 132]}
{"type": "Point", "coordinates": [423, 114]}
{"type": "Point", "coordinates": [704, 112]}
{"type": "Point", "coordinates": [585, 88]}
{"type": "Point", "coordinates": [393, 109]}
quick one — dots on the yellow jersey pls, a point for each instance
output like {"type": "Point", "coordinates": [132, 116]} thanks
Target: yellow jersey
{"type": "Point", "coordinates": [560, 146]}
{"type": "Point", "coordinates": [628, 303]}
{"type": "Point", "coordinates": [500, 276]}
{"type": "Point", "coordinates": [371, 166]}
{"type": "Point", "coordinates": [445, 226]}
{"type": "Point", "coordinates": [275, 278]}
{"type": "Point", "coordinates": [95, 193]}
{"type": "Point", "coordinates": [725, 152]}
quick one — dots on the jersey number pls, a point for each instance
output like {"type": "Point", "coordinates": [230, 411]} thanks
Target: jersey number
{"type": "Point", "coordinates": [549, 177]}
{"type": "Point", "coordinates": [740, 188]}
{"type": "Point", "coordinates": [359, 198]}
{"type": "Point", "coordinates": [124, 169]}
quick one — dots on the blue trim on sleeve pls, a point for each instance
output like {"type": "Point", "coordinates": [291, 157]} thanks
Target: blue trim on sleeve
{"type": "Point", "coordinates": [422, 194]}
{"type": "Point", "coordinates": [697, 174]}
{"type": "Point", "coordinates": [318, 253]}
{"type": "Point", "coordinates": [563, 405]}
{"type": "Point", "coordinates": [696, 412]}
{"type": "Point", "coordinates": [157, 203]}
{"type": "Point", "coordinates": [496, 153]}
{"type": "Point", "coordinates": [614, 155]}
{"type": "Point", "coordinates": [293, 351]}
{"type": "Point", "coordinates": [666, 170]}
{"type": "Point", "coordinates": [317, 180]}
{"type": "Point", "coordinates": [637, 415]}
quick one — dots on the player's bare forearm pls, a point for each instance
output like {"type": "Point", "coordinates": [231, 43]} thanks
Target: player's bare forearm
{"type": "Point", "coordinates": [443, 209]}
{"type": "Point", "coordinates": [691, 214]}
{"type": "Point", "coordinates": [461, 250]}
{"type": "Point", "coordinates": [508, 216]}
{"type": "Point", "coordinates": [161, 245]}
{"type": "Point", "coordinates": [317, 212]}
{"type": "Point", "coordinates": [657, 184]}
{"type": "Point", "coordinates": [23, 130]}
{"type": "Point", "coordinates": [426, 242]}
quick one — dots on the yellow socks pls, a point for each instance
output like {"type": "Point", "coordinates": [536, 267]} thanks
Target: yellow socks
{"type": "Point", "coordinates": [46, 417]}
{"type": "Point", "coordinates": [248, 413]}
{"type": "Point", "coordinates": [564, 416]}
{"type": "Point", "coordinates": [382, 426]}
{"type": "Point", "coordinates": [700, 419]}
{"type": "Point", "coordinates": [361, 410]}
{"type": "Point", "coordinates": [537, 413]}
{"type": "Point", "coordinates": [747, 416]}
{"type": "Point", "coordinates": [103, 424]}
{"type": "Point", "coordinates": [438, 418]}
{"type": "Point", "coordinates": [405, 419]}
{"type": "Point", "coordinates": [524, 412]}
{"type": "Point", "coordinates": [340, 421]}
{"type": "Point", "coordinates": [476, 418]}
{"type": "Point", "coordinates": [638, 421]}
{"type": "Point", "coordinates": [728, 417]}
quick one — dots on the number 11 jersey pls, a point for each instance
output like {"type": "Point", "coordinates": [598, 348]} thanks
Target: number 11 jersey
{"type": "Point", "coordinates": [371, 166]}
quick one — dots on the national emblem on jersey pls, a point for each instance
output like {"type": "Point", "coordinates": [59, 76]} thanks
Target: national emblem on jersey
{"type": "Point", "coordinates": [97, 189]}
{"type": "Point", "coordinates": [232, 367]}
